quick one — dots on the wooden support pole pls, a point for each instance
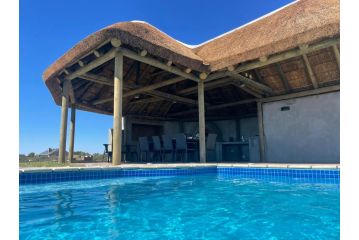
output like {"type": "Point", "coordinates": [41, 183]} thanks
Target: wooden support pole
{"type": "Point", "coordinates": [201, 123]}
{"type": "Point", "coordinates": [312, 77]}
{"type": "Point", "coordinates": [72, 133]}
{"type": "Point", "coordinates": [261, 131]}
{"type": "Point", "coordinates": [117, 110]}
{"type": "Point", "coordinates": [336, 54]}
{"type": "Point", "coordinates": [63, 126]}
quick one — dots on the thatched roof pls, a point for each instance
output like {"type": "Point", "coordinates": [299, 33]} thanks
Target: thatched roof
{"type": "Point", "coordinates": [301, 22]}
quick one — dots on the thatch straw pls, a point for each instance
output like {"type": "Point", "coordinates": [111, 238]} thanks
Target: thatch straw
{"type": "Point", "coordinates": [303, 22]}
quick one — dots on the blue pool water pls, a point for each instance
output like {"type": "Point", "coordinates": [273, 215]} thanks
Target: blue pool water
{"type": "Point", "coordinates": [205, 206]}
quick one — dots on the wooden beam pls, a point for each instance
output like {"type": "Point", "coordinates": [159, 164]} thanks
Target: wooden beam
{"type": "Point", "coordinates": [154, 86]}
{"type": "Point", "coordinates": [173, 98]}
{"type": "Point", "coordinates": [336, 54]}
{"type": "Point", "coordinates": [97, 79]}
{"type": "Point", "coordinates": [84, 90]}
{"type": "Point", "coordinates": [203, 76]}
{"type": "Point", "coordinates": [81, 63]}
{"type": "Point", "coordinates": [143, 53]}
{"type": "Point", "coordinates": [246, 89]}
{"type": "Point", "coordinates": [250, 82]}
{"type": "Point", "coordinates": [157, 94]}
{"type": "Point", "coordinates": [117, 110]}
{"type": "Point", "coordinates": [312, 77]}
{"type": "Point", "coordinates": [261, 131]}
{"type": "Point", "coordinates": [258, 75]}
{"type": "Point", "coordinates": [283, 79]}
{"type": "Point", "coordinates": [215, 107]}
{"type": "Point", "coordinates": [230, 68]}
{"type": "Point", "coordinates": [95, 63]}
{"type": "Point", "coordinates": [207, 86]}
{"type": "Point", "coordinates": [188, 70]}
{"type": "Point", "coordinates": [201, 123]}
{"type": "Point", "coordinates": [63, 126]}
{"type": "Point", "coordinates": [97, 53]}
{"type": "Point", "coordinates": [72, 133]}
{"type": "Point", "coordinates": [265, 61]}
{"type": "Point", "coordinates": [154, 62]}
{"type": "Point", "coordinates": [91, 108]}
{"type": "Point", "coordinates": [267, 99]}
{"type": "Point", "coordinates": [115, 42]}
{"type": "Point", "coordinates": [285, 55]}
{"type": "Point", "coordinates": [153, 92]}
{"type": "Point", "coordinates": [301, 94]}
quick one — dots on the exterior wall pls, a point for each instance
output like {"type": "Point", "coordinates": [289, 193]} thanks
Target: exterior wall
{"type": "Point", "coordinates": [308, 132]}
{"type": "Point", "coordinates": [169, 127]}
{"type": "Point", "coordinates": [225, 129]}
{"type": "Point", "coordinates": [248, 127]}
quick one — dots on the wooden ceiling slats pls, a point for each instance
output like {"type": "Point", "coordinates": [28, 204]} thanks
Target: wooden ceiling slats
{"type": "Point", "coordinates": [286, 76]}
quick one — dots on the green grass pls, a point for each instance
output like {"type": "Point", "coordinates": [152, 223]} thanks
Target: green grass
{"type": "Point", "coordinates": [43, 164]}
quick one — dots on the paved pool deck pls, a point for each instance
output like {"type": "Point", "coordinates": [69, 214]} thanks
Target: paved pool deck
{"type": "Point", "coordinates": [98, 166]}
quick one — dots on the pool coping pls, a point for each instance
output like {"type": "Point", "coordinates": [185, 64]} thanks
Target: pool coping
{"type": "Point", "coordinates": [183, 165]}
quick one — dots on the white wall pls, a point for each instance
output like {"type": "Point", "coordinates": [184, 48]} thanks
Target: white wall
{"type": "Point", "coordinates": [308, 132]}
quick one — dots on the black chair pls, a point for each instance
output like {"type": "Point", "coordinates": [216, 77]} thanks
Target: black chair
{"type": "Point", "coordinates": [128, 151]}
{"type": "Point", "coordinates": [182, 147]}
{"type": "Point", "coordinates": [167, 146]}
{"type": "Point", "coordinates": [144, 147]}
{"type": "Point", "coordinates": [107, 153]}
{"type": "Point", "coordinates": [157, 147]}
{"type": "Point", "coordinates": [211, 143]}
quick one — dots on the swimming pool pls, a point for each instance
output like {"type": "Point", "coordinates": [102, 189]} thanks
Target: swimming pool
{"type": "Point", "coordinates": [213, 205]}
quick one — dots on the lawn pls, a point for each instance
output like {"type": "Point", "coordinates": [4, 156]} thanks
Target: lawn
{"type": "Point", "coordinates": [43, 164]}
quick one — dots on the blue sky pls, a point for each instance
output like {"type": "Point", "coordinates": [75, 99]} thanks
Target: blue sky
{"type": "Point", "coordinates": [49, 28]}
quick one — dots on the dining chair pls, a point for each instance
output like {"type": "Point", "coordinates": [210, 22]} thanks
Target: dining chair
{"type": "Point", "coordinates": [157, 147]}
{"type": "Point", "coordinates": [182, 146]}
{"type": "Point", "coordinates": [211, 144]}
{"type": "Point", "coordinates": [167, 146]}
{"type": "Point", "coordinates": [144, 147]}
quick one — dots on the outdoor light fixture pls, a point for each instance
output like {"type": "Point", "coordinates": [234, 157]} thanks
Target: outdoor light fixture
{"type": "Point", "coordinates": [285, 108]}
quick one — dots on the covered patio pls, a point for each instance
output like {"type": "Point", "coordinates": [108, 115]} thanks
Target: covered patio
{"type": "Point", "coordinates": [135, 72]}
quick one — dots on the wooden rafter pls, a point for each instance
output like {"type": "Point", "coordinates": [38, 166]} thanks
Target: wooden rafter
{"type": "Point", "coordinates": [246, 89]}
{"type": "Point", "coordinates": [283, 78]}
{"type": "Point", "coordinates": [250, 82]}
{"type": "Point", "coordinates": [302, 94]}
{"type": "Point", "coordinates": [267, 99]}
{"type": "Point", "coordinates": [336, 54]}
{"type": "Point", "coordinates": [311, 74]}
{"type": "Point", "coordinates": [91, 108]}
{"type": "Point", "coordinates": [154, 86]}
{"type": "Point", "coordinates": [83, 91]}
{"type": "Point", "coordinates": [153, 62]}
{"type": "Point", "coordinates": [215, 107]}
{"type": "Point", "coordinates": [158, 94]}
{"type": "Point", "coordinates": [258, 75]}
{"type": "Point", "coordinates": [97, 79]}
{"type": "Point", "coordinates": [285, 55]}
{"type": "Point", "coordinates": [95, 63]}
